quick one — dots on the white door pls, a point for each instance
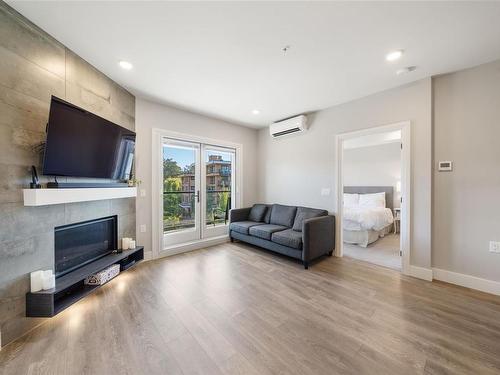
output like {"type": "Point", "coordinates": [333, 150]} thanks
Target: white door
{"type": "Point", "coordinates": [218, 189]}
{"type": "Point", "coordinates": [199, 188]}
{"type": "Point", "coordinates": [181, 192]}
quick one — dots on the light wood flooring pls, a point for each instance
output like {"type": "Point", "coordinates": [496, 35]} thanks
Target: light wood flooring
{"type": "Point", "coordinates": [233, 309]}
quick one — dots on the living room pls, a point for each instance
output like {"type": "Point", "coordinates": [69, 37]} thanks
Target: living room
{"type": "Point", "coordinates": [174, 180]}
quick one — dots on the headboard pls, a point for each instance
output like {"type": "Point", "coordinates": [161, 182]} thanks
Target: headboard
{"type": "Point", "coordinates": [389, 192]}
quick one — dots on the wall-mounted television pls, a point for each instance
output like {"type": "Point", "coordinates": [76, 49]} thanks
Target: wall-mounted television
{"type": "Point", "coordinates": [82, 144]}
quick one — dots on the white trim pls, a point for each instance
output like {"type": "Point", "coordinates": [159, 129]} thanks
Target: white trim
{"type": "Point", "coordinates": [421, 273]}
{"type": "Point", "coordinates": [467, 281]}
{"type": "Point", "coordinates": [157, 195]}
{"type": "Point", "coordinates": [405, 127]}
{"type": "Point", "coordinates": [194, 245]}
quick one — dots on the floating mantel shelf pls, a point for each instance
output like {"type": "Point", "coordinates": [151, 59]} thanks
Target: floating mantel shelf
{"type": "Point", "coordinates": [43, 197]}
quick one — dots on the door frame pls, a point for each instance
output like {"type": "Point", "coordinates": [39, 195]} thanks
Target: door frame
{"type": "Point", "coordinates": [157, 193]}
{"type": "Point", "coordinates": [405, 230]}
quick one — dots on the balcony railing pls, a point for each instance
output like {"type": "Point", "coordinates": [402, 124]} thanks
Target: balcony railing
{"type": "Point", "coordinates": [179, 215]}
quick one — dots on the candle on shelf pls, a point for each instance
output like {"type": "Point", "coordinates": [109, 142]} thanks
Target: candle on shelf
{"type": "Point", "coordinates": [36, 279]}
{"type": "Point", "coordinates": [132, 244]}
{"type": "Point", "coordinates": [125, 243]}
{"type": "Point", "coordinates": [48, 280]}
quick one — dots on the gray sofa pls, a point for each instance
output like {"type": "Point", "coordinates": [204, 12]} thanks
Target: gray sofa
{"type": "Point", "coordinates": [299, 232]}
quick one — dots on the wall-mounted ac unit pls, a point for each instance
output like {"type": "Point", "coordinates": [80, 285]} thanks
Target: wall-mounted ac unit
{"type": "Point", "coordinates": [289, 126]}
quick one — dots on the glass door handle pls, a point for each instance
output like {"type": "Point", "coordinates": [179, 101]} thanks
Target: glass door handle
{"type": "Point", "coordinates": [197, 196]}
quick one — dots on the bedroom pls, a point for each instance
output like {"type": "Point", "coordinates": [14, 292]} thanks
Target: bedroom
{"type": "Point", "coordinates": [371, 221]}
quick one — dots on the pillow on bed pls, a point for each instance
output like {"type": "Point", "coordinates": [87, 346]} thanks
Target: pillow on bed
{"type": "Point", "coordinates": [372, 200]}
{"type": "Point", "coordinates": [351, 200]}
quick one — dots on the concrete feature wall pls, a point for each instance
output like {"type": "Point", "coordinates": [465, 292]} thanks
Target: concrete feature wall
{"type": "Point", "coordinates": [374, 166]}
{"type": "Point", "coordinates": [34, 66]}
{"type": "Point", "coordinates": [466, 201]}
{"type": "Point", "coordinates": [294, 169]}
{"type": "Point", "coordinates": [152, 115]}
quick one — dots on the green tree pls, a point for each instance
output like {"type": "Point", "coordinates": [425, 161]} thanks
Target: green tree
{"type": "Point", "coordinates": [171, 202]}
{"type": "Point", "coordinates": [170, 168]}
{"type": "Point", "coordinates": [172, 212]}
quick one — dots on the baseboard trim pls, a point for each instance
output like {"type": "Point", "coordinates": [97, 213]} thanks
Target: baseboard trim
{"type": "Point", "coordinates": [421, 273]}
{"type": "Point", "coordinates": [190, 246]}
{"type": "Point", "coordinates": [467, 281]}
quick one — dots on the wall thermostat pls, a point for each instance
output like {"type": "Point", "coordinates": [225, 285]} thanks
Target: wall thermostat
{"type": "Point", "coordinates": [445, 166]}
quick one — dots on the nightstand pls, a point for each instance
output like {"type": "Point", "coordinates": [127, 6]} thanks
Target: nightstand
{"type": "Point", "coordinates": [397, 220]}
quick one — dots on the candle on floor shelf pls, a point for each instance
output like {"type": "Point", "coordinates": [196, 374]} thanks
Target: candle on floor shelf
{"type": "Point", "coordinates": [125, 243]}
{"type": "Point", "coordinates": [132, 245]}
{"type": "Point", "coordinates": [48, 280]}
{"type": "Point", "coordinates": [36, 280]}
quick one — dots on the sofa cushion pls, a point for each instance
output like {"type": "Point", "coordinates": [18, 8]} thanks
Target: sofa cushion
{"type": "Point", "coordinates": [265, 231]}
{"type": "Point", "coordinates": [243, 226]}
{"type": "Point", "coordinates": [304, 213]}
{"type": "Point", "coordinates": [267, 218]}
{"type": "Point", "coordinates": [283, 215]}
{"type": "Point", "coordinates": [257, 213]}
{"type": "Point", "coordinates": [289, 238]}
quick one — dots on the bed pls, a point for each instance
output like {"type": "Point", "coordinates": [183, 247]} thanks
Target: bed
{"type": "Point", "coordinates": [367, 214]}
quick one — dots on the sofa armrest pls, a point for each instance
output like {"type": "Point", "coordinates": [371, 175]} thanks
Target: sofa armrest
{"type": "Point", "coordinates": [239, 214]}
{"type": "Point", "coordinates": [318, 237]}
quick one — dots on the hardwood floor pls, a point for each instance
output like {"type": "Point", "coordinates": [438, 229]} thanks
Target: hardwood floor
{"type": "Point", "coordinates": [234, 309]}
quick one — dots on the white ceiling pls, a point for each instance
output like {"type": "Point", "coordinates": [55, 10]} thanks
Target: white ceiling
{"type": "Point", "coordinates": [225, 59]}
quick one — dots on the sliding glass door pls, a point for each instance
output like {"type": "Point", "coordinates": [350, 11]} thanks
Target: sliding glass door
{"type": "Point", "coordinates": [198, 190]}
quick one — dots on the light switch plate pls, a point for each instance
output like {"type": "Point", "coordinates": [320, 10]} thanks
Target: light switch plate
{"type": "Point", "coordinates": [325, 192]}
{"type": "Point", "coordinates": [143, 192]}
{"type": "Point", "coordinates": [142, 228]}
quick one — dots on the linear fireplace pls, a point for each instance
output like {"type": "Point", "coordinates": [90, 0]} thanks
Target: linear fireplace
{"type": "Point", "coordinates": [79, 244]}
{"type": "Point", "coordinates": [81, 250]}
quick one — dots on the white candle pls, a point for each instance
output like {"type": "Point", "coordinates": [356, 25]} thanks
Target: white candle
{"type": "Point", "coordinates": [36, 279]}
{"type": "Point", "coordinates": [125, 243]}
{"type": "Point", "coordinates": [132, 244]}
{"type": "Point", "coordinates": [48, 280]}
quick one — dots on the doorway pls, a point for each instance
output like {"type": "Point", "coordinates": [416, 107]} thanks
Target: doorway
{"type": "Point", "coordinates": [197, 183]}
{"type": "Point", "coordinates": [374, 194]}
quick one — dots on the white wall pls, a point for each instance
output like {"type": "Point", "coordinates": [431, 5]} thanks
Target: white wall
{"type": "Point", "coordinates": [151, 115]}
{"type": "Point", "coordinates": [378, 165]}
{"type": "Point", "coordinates": [466, 212]}
{"type": "Point", "coordinates": [293, 170]}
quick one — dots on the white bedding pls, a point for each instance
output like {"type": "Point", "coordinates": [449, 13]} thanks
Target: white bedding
{"type": "Point", "coordinates": [367, 218]}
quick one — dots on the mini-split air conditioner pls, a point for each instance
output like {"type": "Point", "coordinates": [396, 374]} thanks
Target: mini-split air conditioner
{"type": "Point", "coordinates": [289, 126]}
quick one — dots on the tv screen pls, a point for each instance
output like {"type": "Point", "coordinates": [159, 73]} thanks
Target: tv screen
{"type": "Point", "coordinates": [82, 144]}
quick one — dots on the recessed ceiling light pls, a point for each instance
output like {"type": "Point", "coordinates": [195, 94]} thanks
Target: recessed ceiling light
{"type": "Point", "coordinates": [255, 111]}
{"type": "Point", "coordinates": [394, 55]}
{"type": "Point", "coordinates": [125, 65]}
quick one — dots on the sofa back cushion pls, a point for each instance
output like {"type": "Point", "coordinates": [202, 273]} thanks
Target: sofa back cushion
{"type": "Point", "coordinates": [257, 213]}
{"type": "Point", "coordinates": [282, 215]}
{"type": "Point", "coordinates": [304, 213]}
{"type": "Point", "coordinates": [267, 217]}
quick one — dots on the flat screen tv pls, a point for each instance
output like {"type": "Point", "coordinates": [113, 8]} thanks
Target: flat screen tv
{"type": "Point", "coordinates": [82, 144]}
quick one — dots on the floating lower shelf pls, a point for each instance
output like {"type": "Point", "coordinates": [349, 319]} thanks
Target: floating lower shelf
{"type": "Point", "coordinates": [70, 288]}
